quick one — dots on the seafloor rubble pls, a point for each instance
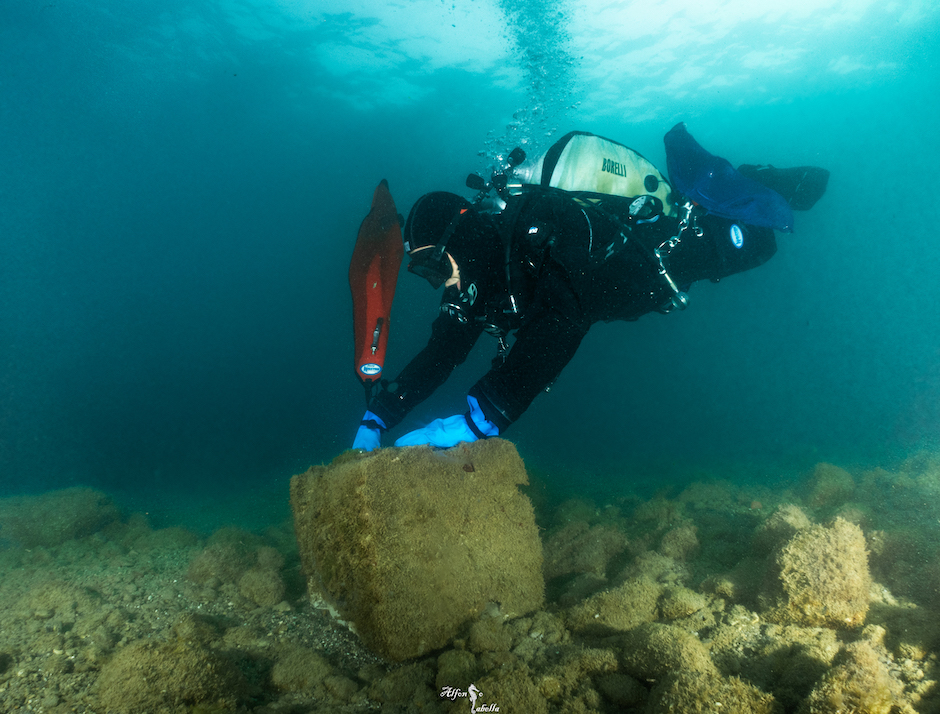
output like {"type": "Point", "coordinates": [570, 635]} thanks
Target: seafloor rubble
{"type": "Point", "coordinates": [816, 598]}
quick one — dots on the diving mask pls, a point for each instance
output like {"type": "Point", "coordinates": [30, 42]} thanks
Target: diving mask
{"type": "Point", "coordinates": [433, 264]}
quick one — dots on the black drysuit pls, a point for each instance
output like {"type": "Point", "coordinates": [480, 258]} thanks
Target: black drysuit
{"type": "Point", "coordinates": [573, 259]}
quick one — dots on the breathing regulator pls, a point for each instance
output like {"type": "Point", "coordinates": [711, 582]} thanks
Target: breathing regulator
{"type": "Point", "coordinates": [499, 182]}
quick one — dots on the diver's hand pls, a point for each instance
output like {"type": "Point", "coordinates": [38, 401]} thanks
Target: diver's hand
{"type": "Point", "coordinates": [369, 436]}
{"type": "Point", "coordinates": [448, 432]}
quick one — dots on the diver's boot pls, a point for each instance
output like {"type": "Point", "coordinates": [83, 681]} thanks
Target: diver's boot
{"type": "Point", "coordinates": [801, 186]}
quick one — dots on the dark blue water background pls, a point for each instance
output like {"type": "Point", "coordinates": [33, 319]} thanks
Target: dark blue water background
{"type": "Point", "coordinates": [181, 186]}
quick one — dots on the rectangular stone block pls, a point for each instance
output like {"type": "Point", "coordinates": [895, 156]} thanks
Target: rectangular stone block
{"type": "Point", "coordinates": [409, 544]}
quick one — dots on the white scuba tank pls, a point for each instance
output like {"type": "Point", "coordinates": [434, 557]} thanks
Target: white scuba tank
{"type": "Point", "coordinates": [580, 161]}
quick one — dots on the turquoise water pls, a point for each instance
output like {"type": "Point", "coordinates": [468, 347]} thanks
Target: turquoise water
{"type": "Point", "coordinates": [181, 185]}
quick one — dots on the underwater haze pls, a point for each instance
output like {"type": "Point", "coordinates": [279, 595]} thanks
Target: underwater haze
{"type": "Point", "coordinates": [181, 185]}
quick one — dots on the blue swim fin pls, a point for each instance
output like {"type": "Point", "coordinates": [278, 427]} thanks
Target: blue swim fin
{"type": "Point", "coordinates": [713, 183]}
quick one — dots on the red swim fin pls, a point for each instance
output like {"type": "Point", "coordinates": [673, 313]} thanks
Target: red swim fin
{"type": "Point", "coordinates": [373, 273]}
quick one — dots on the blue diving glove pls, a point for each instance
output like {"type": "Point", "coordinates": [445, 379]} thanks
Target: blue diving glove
{"type": "Point", "coordinates": [451, 431]}
{"type": "Point", "coordinates": [369, 436]}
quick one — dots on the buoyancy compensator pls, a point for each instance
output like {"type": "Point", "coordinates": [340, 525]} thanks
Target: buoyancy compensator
{"type": "Point", "coordinates": [605, 178]}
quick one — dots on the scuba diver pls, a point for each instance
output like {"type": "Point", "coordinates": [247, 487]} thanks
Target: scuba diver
{"type": "Point", "coordinates": [589, 231]}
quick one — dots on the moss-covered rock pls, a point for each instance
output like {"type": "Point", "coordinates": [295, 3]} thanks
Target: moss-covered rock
{"type": "Point", "coordinates": [340, 687]}
{"type": "Point", "coordinates": [512, 691]}
{"type": "Point", "coordinates": [680, 543]}
{"type": "Point", "coordinates": [677, 602]}
{"type": "Point", "coordinates": [651, 651]}
{"type": "Point", "coordinates": [565, 679]}
{"type": "Point", "coordinates": [820, 578]}
{"type": "Point", "coordinates": [52, 518]}
{"type": "Point", "coordinates": [409, 686]}
{"type": "Point", "coordinates": [219, 563]}
{"type": "Point", "coordinates": [622, 690]}
{"type": "Point", "coordinates": [656, 567]}
{"type": "Point", "coordinates": [779, 528]}
{"type": "Point", "coordinates": [574, 510]}
{"type": "Point", "coordinates": [263, 587]}
{"type": "Point", "coordinates": [621, 608]}
{"type": "Point", "coordinates": [383, 536]}
{"type": "Point", "coordinates": [298, 669]}
{"type": "Point", "coordinates": [488, 635]}
{"type": "Point", "coordinates": [700, 692]}
{"type": "Point", "coordinates": [158, 676]}
{"type": "Point", "coordinates": [859, 682]}
{"type": "Point", "coordinates": [456, 668]}
{"type": "Point", "coordinates": [830, 486]}
{"type": "Point", "coordinates": [579, 548]}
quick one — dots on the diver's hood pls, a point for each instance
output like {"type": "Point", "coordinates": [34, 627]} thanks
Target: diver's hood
{"type": "Point", "coordinates": [469, 236]}
{"type": "Point", "coordinates": [430, 218]}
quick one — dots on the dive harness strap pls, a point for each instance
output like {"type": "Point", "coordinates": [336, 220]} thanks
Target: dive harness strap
{"type": "Point", "coordinates": [510, 308]}
{"type": "Point", "coordinates": [678, 300]}
{"type": "Point", "coordinates": [510, 216]}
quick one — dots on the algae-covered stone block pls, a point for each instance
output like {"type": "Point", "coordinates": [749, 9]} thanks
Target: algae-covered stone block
{"type": "Point", "coordinates": [410, 544]}
{"type": "Point", "coordinates": [819, 578]}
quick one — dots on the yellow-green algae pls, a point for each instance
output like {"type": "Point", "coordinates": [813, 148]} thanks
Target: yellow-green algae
{"type": "Point", "coordinates": [92, 623]}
